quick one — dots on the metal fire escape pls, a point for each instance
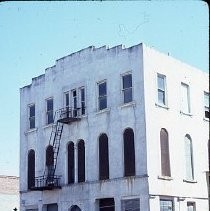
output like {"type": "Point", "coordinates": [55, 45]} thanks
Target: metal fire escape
{"type": "Point", "coordinates": [49, 180]}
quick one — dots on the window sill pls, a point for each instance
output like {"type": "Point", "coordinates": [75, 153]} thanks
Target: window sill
{"type": "Point", "coordinates": [132, 103]}
{"type": "Point", "coordinates": [161, 106]}
{"type": "Point", "coordinates": [189, 181]}
{"type": "Point", "coordinates": [165, 178]}
{"type": "Point", "coordinates": [31, 130]}
{"type": "Point", "coordinates": [48, 126]}
{"type": "Point", "coordinates": [206, 119]}
{"type": "Point", "coordinates": [186, 114]}
{"type": "Point", "coordinates": [103, 111]}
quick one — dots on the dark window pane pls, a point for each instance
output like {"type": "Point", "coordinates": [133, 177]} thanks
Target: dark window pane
{"type": "Point", "coordinates": [102, 89]}
{"type": "Point", "coordinates": [49, 104]}
{"type": "Point", "coordinates": [71, 162]}
{"type": "Point", "coordinates": [165, 160]}
{"type": "Point", "coordinates": [74, 93]}
{"type": "Point", "coordinates": [102, 103]}
{"type": "Point", "coordinates": [127, 81]}
{"type": "Point", "coordinates": [49, 156]}
{"type": "Point", "coordinates": [52, 207]}
{"type": "Point", "coordinates": [106, 204]}
{"type": "Point", "coordinates": [32, 111]}
{"type": "Point", "coordinates": [67, 99]}
{"type": "Point", "coordinates": [103, 157]}
{"type": "Point", "coordinates": [166, 205]}
{"type": "Point", "coordinates": [31, 169]}
{"type": "Point", "coordinates": [131, 205]}
{"type": "Point", "coordinates": [32, 122]}
{"type": "Point", "coordinates": [82, 94]}
{"type": "Point", "coordinates": [161, 97]}
{"type": "Point", "coordinates": [161, 83]}
{"type": "Point", "coordinates": [207, 113]}
{"type": "Point", "coordinates": [81, 161]}
{"type": "Point", "coordinates": [50, 117]}
{"type": "Point", "coordinates": [129, 153]}
{"type": "Point", "coordinates": [83, 108]}
{"type": "Point", "coordinates": [128, 95]}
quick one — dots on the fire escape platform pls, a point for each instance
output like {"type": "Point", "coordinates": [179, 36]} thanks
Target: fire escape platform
{"type": "Point", "coordinates": [68, 120]}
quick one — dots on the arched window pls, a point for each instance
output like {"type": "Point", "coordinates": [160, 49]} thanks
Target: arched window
{"type": "Point", "coordinates": [129, 153]}
{"type": "Point", "coordinates": [70, 162]}
{"type": "Point", "coordinates": [31, 169]}
{"type": "Point", "coordinates": [50, 160]}
{"type": "Point", "coordinates": [165, 158]}
{"type": "Point", "coordinates": [189, 158]}
{"type": "Point", "coordinates": [75, 208]}
{"type": "Point", "coordinates": [103, 157]}
{"type": "Point", "coordinates": [81, 161]}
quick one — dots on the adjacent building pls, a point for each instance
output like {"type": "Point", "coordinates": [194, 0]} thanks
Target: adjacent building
{"type": "Point", "coordinates": [9, 193]}
{"type": "Point", "coordinates": [117, 128]}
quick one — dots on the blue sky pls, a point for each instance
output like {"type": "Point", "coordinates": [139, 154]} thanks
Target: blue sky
{"type": "Point", "coordinates": [34, 34]}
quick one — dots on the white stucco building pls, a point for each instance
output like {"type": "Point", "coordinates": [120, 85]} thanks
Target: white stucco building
{"type": "Point", "coordinates": [130, 132]}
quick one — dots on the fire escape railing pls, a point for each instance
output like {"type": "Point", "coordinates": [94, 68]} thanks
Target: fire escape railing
{"type": "Point", "coordinates": [62, 116]}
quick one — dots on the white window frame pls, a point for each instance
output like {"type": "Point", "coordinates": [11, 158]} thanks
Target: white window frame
{"type": "Point", "coordinates": [47, 122]}
{"type": "Point", "coordinates": [188, 99]}
{"type": "Point", "coordinates": [102, 96]}
{"type": "Point", "coordinates": [31, 117]}
{"type": "Point", "coordinates": [193, 204]}
{"type": "Point", "coordinates": [159, 75]}
{"type": "Point", "coordinates": [167, 199]}
{"type": "Point", "coordinates": [72, 102]}
{"type": "Point", "coordinates": [123, 90]}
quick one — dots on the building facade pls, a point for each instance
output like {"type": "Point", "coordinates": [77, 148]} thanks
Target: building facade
{"type": "Point", "coordinates": [9, 193]}
{"type": "Point", "coordinates": [115, 129]}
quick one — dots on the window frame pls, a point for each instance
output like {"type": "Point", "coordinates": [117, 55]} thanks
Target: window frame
{"type": "Point", "coordinates": [31, 118]}
{"type": "Point", "coordinates": [124, 89]}
{"type": "Point", "coordinates": [101, 96]}
{"type": "Point", "coordinates": [82, 102]}
{"type": "Point", "coordinates": [49, 111]}
{"type": "Point", "coordinates": [188, 99]}
{"type": "Point", "coordinates": [167, 200]}
{"type": "Point", "coordinates": [164, 90]}
{"type": "Point", "coordinates": [191, 203]}
{"type": "Point", "coordinates": [206, 107]}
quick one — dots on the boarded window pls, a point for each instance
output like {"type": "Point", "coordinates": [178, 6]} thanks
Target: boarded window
{"type": "Point", "coordinates": [31, 169]}
{"type": "Point", "coordinates": [127, 88]}
{"type": "Point", "coordinates": [71, 162]}
{"type": "Point", "coordinates": [50, 111]}
{"type": "Point", "coordinates": [165, 159]}
{"type": "Point", "coordinates": [103, 157]}
{"type": "Point", "coordinates": [102, 96]}
{"type": "Point", "coordinates": [185, 98]}
{"type": "Point", "coordinates": [81, 161]}
{"type": "Point", "coordinates": [130, 205]}
{"type": "Point", "coordinates": [106, 204]}
{"type": "Point", "coordinates": [129, 153]}
{"type": "Point", "coordinates": [32, 116]}
{"type": "Point", "coordinates": [189, 158]}
{"type": "Point", "coordinates": [166, 205]}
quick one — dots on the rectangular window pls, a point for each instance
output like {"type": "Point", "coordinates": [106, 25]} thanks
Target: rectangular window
{"type": "Point", "coordinates": [185, 98]}
{"type": "Point", "coordinates": [67, 99]}
{"type": "Point", "coordinates": [32, 116]}
{"type": "Point", "coordinates": [166, 205]}
{"type": "Point", "coordinates": [127, 88]}
{"type": "Point", "coordinates": [82, 100]}
{"type": "Point", "coordinates": [161, 81]}
{"type": "Point", "coordinates": [206, 105]}
{"type": "Point", "coordinates": [130, 204]}
{"type": "Point", "coordinates": [50, 111]}
{"type": "Point", "coordinates": [106, 204]}
{"type": "Point", "coordinates": [190, 206]}
{"type": "Point", "coordinates": [74, 102]}
{"type": "Point", "coordinates": [102, 95]}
